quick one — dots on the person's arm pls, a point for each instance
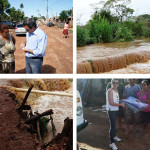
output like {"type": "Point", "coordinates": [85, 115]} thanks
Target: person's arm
{"type": "Point", "coordinates": [147, 101]}
{"type": "Point", "coordinates": [125, 93]}
{"type": "Point", "coordinates": [110, 98]}
{"type": "Point", "coordinates": [14, 40]}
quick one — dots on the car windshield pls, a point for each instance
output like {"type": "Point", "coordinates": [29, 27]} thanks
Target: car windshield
{"type": "Point", "coordinates": [20, 25]}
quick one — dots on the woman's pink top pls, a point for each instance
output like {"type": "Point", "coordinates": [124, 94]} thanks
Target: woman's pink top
{"type": "Point", "coordinates": [144, 97]}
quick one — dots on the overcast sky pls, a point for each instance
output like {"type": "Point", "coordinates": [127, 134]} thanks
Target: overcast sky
{"type": "Point", "coordinates": [85, 8]}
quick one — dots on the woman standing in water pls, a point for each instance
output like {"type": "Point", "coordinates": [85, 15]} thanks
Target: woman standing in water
{"type": "Point", "coordinates": [144, 96]}
{"type": "Point", "coordinates": [112, 106]}
{"type": "Point", "coordinates": [7, 48]}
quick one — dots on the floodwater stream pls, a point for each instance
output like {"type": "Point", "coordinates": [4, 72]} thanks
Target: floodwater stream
{"type": "Point", "coordinates": [118, 49]}
{"type": "Point", "coordinates": [62, 107]}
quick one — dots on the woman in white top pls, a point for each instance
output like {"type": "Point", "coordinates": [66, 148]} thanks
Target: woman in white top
{"type": "Point", "coordinates": [112, 106]}
{"type": "Point", "coordinates": [65, 30]}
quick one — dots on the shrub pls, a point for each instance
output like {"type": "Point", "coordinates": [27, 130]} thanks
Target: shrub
{"type": "Point", "coordinates": [82, 36]}
{"type": "Point", "coordinates": [124, 34]}
{"type": "Point", "coordinates": [104, 31]}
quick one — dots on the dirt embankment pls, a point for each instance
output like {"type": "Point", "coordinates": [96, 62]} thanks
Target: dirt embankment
{"type": "Point", "coordinates": [59, 52]}
{"type": "Point", "coordinates": [13, 135]}
{"type": "Point", "coordinates": [96, 135]}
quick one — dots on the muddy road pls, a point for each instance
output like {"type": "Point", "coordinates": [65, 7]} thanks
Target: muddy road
{"type": "Point", "coordinates": [96, 135]}
{"type": "Point", "coordinates": [59, 52]}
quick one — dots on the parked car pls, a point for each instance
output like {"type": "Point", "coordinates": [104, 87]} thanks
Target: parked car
{"type": "Point", "coordinates": [8, 23]}
{"type": "Point", "coordinates": [20, 30]}
{"type": "Point", "coordinates": [81, 122]}
{"type": "Point", "coordinates": [50, 24]}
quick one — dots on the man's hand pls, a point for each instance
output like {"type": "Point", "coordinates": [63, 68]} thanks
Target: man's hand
{"type": "Point", "coordinates": [22, 46]}
{"type": "Point", "coordinates": [25, 49]}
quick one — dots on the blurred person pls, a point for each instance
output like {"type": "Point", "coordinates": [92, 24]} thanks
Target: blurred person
{"type": "Point", "coordinates": [120, 112]}
{"type": "Point", "coordinates": [65, 30]}
{"type": "Point", "coordinates": [34, 47]}
{"type": "Point", "coordinates": [7, 49]}
{"type": "Point", "coordinates": [130, 117]}
{"type": "Point", "coordinates": [112, 107]}
{"type": "Point", "coordinates": [144, 96]}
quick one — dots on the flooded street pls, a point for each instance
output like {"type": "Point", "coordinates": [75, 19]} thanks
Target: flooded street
{"type": "Point", "coordinates": [118, 57]}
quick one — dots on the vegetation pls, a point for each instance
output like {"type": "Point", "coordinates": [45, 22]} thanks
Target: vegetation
{"type": "Point", "coordinates": [113, 23]}
{"type": "Point", "coordinates": [10, 13]}
{"type": "Point", "coordinates": [65, 14]}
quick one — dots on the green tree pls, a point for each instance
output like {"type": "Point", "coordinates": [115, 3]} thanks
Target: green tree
{"type": "Point", "coordinates": [70, 13]}
{"type": "Point", "coordinates": [120, 9]}
{"type": "Point", "coordinates": [63, 15]}
{"type": "Point", "coordinates": [43, 17]}
{"type": "Point", "coordinates": [16, 15]}
{"type": "Point", "coordinates": [21, 6]}
{"type": "Point", "coordinates": [4, 6]}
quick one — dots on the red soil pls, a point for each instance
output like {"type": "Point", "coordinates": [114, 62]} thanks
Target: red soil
{"type": "Point", "coordinates": [13, 135]}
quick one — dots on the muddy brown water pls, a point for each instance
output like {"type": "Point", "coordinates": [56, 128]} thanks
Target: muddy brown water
{"type": "Point", "coordinates": [134, 57]}
{"type": "Point", "coordinates": [62, 107]}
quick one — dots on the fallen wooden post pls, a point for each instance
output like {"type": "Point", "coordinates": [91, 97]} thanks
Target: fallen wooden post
{"type": "Point", "coordinates": [26, 97]}
{"type": "Point", "coordinates": [48, 112]}
{"type": "Point", "coordinates": [38, 91]}
{"type": "Point", "coordinates": [38, 131]}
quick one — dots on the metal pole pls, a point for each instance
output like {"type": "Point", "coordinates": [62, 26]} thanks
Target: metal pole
{"type": "Point", "coordinates": [47, 10]}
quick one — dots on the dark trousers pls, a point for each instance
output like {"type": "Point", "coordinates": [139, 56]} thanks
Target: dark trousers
{"type": "Point", "coordinates": [112, 119]}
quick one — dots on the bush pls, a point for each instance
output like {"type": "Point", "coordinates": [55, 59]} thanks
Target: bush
{"type": "Point", "coordinates": [93, 30]}
{"type": "Point", "coordinates": [146, 33]}
{"type": "Point", "coordinates": [105, 31]}
{"type": "Point", "coordinates": [82, 36]}
{"type": "Point", "coordinates": [135, 27]}
{"type": "Point", "coordinates": [124, 34]}
{"type": "Point", "coordinates": [115, 27]}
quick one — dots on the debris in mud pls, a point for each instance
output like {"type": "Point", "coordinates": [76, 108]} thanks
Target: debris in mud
{"type": "Point", "coordinates": [37, 125]}
{"type": "Point", "coordinates": [63, 140]}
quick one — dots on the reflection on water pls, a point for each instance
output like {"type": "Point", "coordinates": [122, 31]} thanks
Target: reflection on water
{"type": "Point", "coordinates": [95, 51]}
{"type": "Point", "coordinates": [62, 107]}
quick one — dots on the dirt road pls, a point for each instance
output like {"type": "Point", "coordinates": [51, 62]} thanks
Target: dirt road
{"type": "Point", "coordinates": [59, 52]}
{"type": "Point", "coordinates": [96, 135]}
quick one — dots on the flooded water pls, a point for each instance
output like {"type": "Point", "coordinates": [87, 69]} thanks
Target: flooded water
{"type": "Point", "coordinates": [62, 107]}
{"type": "Point", "coordinates": [136, 52]}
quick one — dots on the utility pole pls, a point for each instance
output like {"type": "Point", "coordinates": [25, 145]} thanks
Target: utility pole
{"type": "Point", "coordinates": [47, 12]}
{"type": "Point", "coordinates": [38, 12]}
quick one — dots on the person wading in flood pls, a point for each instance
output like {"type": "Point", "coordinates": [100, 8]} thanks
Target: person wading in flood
{"type": "Point", "coordinates": [34, 47]}
{"type": "Point", "coordinates": [7, 49]}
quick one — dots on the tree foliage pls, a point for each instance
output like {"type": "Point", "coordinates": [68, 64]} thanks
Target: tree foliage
{"type": "Point", "coordinates": [65, 14]}
{"type": "Point", "coordinates": [4, 6]}
{"type": "Point", "coordinates": [119, 7]}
